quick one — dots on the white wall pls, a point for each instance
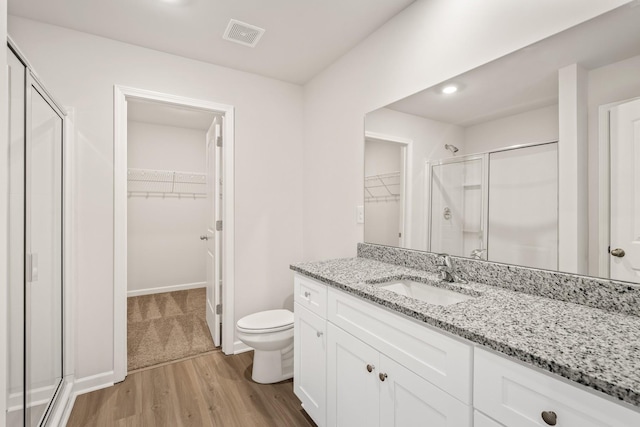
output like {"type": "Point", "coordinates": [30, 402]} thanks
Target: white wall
{"type": "Point", "coordinates": [425, 44]}
{"type": "Point", "coordinates": [611, 83]}
{"type": "Point", "coordinates": [81, 70]}
{"type": "Point", "coordinates": [535, 126]}
{"type": "Point", "coordinates": [428, 140]}
{"type": "Point", "coordinates": [164, 248]}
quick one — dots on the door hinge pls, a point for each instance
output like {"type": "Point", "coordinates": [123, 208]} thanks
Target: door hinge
{"type": "Point", "coordinates": [219, 141]}
{"type": "Point", "coordinates": [219, 309]}
{"type": "Point", "coordinates": [219, 225]}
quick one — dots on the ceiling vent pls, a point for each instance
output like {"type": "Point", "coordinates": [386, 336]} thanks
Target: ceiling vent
{"type": "Point", "coordinates": [243, 33]}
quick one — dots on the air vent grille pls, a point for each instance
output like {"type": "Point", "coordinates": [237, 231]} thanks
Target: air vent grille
{"type": "Point", "coordinates": [243, 33]}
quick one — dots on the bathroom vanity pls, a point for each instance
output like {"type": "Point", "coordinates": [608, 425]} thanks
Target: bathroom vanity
{"type": "Point", "coordinates": [371, 354]}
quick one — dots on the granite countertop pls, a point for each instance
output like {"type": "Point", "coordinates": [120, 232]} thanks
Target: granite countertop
{"type": "Point", "coordinates": [587, 345]}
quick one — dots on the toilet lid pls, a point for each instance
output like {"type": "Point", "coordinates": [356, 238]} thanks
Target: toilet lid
{"type": "Point", "coordinates": [271, 319]}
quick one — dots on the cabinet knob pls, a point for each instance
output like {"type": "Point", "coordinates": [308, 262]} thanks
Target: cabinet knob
{"type": "Point", "coordinates": [382, 376]}
{"type": "Point", "coordinates": [370, 368]}
{"type": "Point", "coordinates": [549, 417]}
{"type": "Point", "coordinates": [307, 294]}
{"type": "Point", "coordinates": [319, 333]}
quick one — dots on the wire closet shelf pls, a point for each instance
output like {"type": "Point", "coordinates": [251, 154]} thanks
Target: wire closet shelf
{"type": "Point", "coordinates": [383, 187]}
{"type": "Point", "coordinates": [161, 183]}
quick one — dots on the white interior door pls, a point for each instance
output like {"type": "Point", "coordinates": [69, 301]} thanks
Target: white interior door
{"type": "Point", "coordinates": [625, 192]}
{"type": "Point", "coordinates": [212, 237]}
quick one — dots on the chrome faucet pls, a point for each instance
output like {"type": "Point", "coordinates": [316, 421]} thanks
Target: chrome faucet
{"type": "Point", "coordinates": [448, 273]}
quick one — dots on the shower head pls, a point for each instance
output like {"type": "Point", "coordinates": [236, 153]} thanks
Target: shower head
{"type": "Point", "coordinates": [451, 148]}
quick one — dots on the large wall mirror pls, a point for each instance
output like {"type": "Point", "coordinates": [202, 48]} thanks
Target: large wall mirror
{"type": "Point", "coordinates": [532, 159]}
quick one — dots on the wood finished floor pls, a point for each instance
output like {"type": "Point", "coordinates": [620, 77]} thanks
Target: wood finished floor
{"type": "Point", "coordinates": [207, 390]}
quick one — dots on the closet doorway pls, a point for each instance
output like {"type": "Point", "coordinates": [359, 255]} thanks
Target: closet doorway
{"type": "Point", "coordinates": [173, 229]}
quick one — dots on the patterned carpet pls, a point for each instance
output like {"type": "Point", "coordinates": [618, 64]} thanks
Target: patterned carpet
{"type": "Point", "coordinates": [165, 327]}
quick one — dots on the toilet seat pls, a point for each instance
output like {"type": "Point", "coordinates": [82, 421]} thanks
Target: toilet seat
{"type": "Point", "coordinates": [266, 321]}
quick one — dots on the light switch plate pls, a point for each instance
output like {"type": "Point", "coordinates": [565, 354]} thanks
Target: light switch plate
{"type": "Point", "coordinates": [360, 214]}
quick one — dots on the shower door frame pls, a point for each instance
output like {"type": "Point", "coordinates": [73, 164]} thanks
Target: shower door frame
{"type": "Point", "coordinates": [121, 95]}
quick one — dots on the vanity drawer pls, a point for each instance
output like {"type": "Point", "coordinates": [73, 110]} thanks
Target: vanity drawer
{"type": "Point", "coordinates": [311, 295]}
{"type": "Point", "coordinates": [516, 395]}
{"type": "Point", "coordinates": [443, 361]}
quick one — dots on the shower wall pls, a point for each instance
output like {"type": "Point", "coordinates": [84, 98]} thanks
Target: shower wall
{"type": "Point", "coordinates": [457, 207]}
{"type": "Point", "coordinates": [164, 249]}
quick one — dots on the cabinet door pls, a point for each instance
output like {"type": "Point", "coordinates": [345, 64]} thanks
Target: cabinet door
{"type": "Point", "coordinates": [353, 386]}
{"type": "Point", "coordinates": [409, 400]}
{"type": "Point", "coordinates": [310, 368]}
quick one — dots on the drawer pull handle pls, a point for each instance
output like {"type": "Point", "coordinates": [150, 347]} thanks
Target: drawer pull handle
{"type": "Point", "coordinates": [370, 368]}
{"type": "Point", "coordinates": [382, 376]}
{"type": "Point", "coordinates": [549, 417]}
{"type": "Point", "coordinates": [307, 294]}
{"type": "Point", "coordinates": [319, 333]}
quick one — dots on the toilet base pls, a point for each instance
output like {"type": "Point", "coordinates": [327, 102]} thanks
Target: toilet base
{"type": "Point", "coordinates": [272, 366]}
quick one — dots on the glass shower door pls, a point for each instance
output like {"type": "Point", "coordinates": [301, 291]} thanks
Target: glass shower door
{"type": "Point", "coordinates": [43, 245]}
{"type": "Point", "coordinates": [457, 207]}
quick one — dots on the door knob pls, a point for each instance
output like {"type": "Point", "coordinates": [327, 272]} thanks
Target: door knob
{"type": "Point", "coordinates": [618, 252]}
{"type": "Point", "coordinates": [382, 376]}
{"type": "Point", "coordinates": [204, 238]}
{"type": "Point", "coordinates": [370, 368]}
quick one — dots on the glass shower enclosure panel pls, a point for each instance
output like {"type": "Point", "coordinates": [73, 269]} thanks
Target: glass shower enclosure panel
{"type": "Point", "coordinates": [523, 206]}
{"type": "Point", "coordinates": [43, 266]}
{"type": "Point", "coordinates": [457, 206]}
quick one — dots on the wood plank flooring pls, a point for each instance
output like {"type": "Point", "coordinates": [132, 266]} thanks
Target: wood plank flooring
{"type": "Point", "coordinates": [208, 390]}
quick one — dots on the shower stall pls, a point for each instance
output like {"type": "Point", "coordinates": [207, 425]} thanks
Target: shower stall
{"type": "Point", "coordinates": [499, 206]}
{"type": "Point", "coordinates": [35, 280]}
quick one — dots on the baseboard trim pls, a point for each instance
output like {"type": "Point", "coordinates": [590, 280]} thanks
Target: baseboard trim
{"type": "Point", "coordinates": [162, 289]}
{"type": "Point", "coordinates": [93, 383]}
{"type": "Point", "coordinates": [240, 347]}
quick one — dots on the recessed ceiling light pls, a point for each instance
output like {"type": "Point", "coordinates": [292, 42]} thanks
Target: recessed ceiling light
{"type": "Point", "coordinates": [449, 89]}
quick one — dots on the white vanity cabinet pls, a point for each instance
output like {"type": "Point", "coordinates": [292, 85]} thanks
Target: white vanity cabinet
{"type": "Point", "coordinates": [379, 366]}
{"type": "Point", "coordinates": [310, 347]}
{"type": "Point", "coordinates": [359, 364]}
{"type": "Point", "coordinates": [516, 395]}
{"type": "Point", "coordinates": [366, 388]}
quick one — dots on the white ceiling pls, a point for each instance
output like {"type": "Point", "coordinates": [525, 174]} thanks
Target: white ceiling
{"type": "Point", "coordinates": [528, 78]}
{"type": "Point", "coordinates": [168, 115]}
{"type": "Point", "coordinates": [302, 36]}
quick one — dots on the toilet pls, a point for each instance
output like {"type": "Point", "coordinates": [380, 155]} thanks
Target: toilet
{"type": "Point", "coordinates": [270, 334]}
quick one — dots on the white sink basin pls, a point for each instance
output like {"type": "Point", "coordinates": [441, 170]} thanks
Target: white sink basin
{"type": "Point", "coordinates": [423, 292]}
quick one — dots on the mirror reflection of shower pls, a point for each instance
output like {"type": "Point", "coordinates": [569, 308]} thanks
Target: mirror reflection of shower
{"type": "Point", "coordinates": [498, 206]}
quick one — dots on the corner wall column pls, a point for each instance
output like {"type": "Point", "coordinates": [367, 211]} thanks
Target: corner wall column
{"type": "Point", "coordinates": [572, 170]}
